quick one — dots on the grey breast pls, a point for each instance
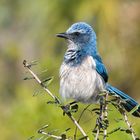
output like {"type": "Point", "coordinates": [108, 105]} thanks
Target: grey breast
{"type": "Point", "coordinates": [81, 82]}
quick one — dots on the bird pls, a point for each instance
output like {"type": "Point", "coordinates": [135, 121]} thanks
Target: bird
{"type": "Point", "coordinates": [83, 75]}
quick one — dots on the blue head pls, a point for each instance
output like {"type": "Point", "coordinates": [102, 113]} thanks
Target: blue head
{"type": "Point", "coordinates": [81, 35]}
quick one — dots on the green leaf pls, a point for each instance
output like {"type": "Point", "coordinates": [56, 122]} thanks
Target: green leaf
{"type": "Point", "coordinates": [63, 136]}
{"type": "Point", "coordinates": [47, 81]}
{"type": "Point", "coordinates": [128, 131]}
{"type": "Point", "coordinates": [74, 108]}
{"type": "Point", "coordinates": [51, 102]}
{"type": "Point", "coordinates": [83, 138]}
{"type": "Point", "coordinates": [95, 109]}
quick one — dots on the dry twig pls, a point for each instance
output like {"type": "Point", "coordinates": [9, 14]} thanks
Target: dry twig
{"type": "Point", "coordinates": [102, 121]}
{"type": "Point", "coordinates": [80, 119]}
{"type": "Point", "coordinates": [105, 116]}
{"type": "Point", "coordinates": [119, 104]}
{"type": "Point", "coordinates": [28, 67]}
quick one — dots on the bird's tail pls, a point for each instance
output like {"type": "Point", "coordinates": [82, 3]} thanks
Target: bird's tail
{"type": "Point", "coordinates": [129, 103]}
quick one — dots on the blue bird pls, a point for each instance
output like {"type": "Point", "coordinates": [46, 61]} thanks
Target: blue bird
{"type": "Point", "coordinates": [83, 76]}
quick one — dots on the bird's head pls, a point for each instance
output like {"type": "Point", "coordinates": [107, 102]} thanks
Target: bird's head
{"type": "Point", "coordinates": [81, 34]}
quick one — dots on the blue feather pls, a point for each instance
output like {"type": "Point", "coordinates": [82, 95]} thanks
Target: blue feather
{"type": "Point", "coordinates": [100, 67]}
{"type": "Point", "coordinates": [129, 104]}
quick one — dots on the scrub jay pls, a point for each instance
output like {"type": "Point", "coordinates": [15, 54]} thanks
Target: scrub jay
{"type": "Point", "coordinates": [83, 76]}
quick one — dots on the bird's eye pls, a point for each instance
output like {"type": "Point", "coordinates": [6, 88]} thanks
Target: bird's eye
{"type": "Point", "coordinates": [77, 33]}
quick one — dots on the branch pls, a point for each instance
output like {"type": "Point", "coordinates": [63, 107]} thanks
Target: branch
{"type": "Point", "coordinates": [80, 119]}
{"type": "Point", "coordinates": [102, 121]}
{"type": "Point", "coordinates": [28, 67]}
{"type": "Point", "coordinates": [129, 126]}
{"type": "Point", "coordinates": [97, 134]}
{"type": "Point", "coordinates": [105, 116]}
{"type": "Point", "coordinates": [118, 104]}
{"type": "Point", "coordinates": [99, 121]}
{"type": "Point", "coordinates": [48, 134]}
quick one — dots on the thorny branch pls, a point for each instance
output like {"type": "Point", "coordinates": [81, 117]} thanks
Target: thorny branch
{"type": "Point", "coordinates": [28, 67]}
{"type": "Point", "coordinates": [50, 135]}
{"type": "Point", "coordinates": [118, 104]}
{"type": "Point", "coordinates": [105, 116]}
{"type": "Point", "coordinates": [129, 126]}
{"type": "Point", "coordinates": [102, 120]}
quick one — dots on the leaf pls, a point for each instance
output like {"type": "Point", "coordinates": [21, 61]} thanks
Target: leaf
{"type": "Point", "coordinates": [95, 109]}
{"type": "Point", "coordinates": [67, 129]}
{"type": "Point", "coordinates": [128, 131]}
{"type": "Point", "coordinates": [45, 126]}
{"type": "Point", "coordinates": [83, 138]}
{"type": "Point", "coordinates": [51, 102]}
{"type": "Point", "coordinates": [31, 138]}
{"type": "Point", "coordinates": [94, 131]}
{"type": "Point", "coordinates": [98, 113]}
{"type": "Point", "coordinates": [63, 136]}
{"type": "Point", "coordinates": [47, 80]}
{"type": "Point", "coordinates": [118, 120]}
{"type": "Point", "coordinates": [74, 108]}
{"type": "Point", "coordinates": [28, 78]}
{"type": "Point", "coordinates": [30, 64]}
{"type": "Point", "coordinates": [106, 121]}
{"type": "Point", "coordinates": [37, 92]}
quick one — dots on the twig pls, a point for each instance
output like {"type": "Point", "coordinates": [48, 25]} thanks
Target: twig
{"type": "Point", "coordinates": [97, 134]}
{"type": "Point", "coordinates": [102, 121]}
{"type": "Point", "coordinates": [105, 117]}
{"type": "Point", "coordinates": [50, 135]}
{"type": "Point", "coordinates": [129, 126]}
{"type": "Point", "coordinates": [99, 120]}
{"type": "Point", "coordinates": [123, 112]}
{"type": "Point", "coordinates": [80, 119]}
{"type": "Point", "coordinates": [28, 67]}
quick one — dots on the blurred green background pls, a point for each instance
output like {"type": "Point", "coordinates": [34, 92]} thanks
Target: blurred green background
{"type": "Point", "coordinates": [27, 31]}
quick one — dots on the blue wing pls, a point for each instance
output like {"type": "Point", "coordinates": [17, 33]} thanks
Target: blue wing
{"type": "Point", "coordinates": [100, 67]}
{"type": "Point", "coordinates": [129, 103]}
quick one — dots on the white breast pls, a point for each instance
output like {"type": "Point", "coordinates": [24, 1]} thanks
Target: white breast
{"type": "Point", "coordinates": [81, 82]}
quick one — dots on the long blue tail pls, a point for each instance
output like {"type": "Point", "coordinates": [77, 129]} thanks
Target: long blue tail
{"type": "Point", "coordinates": [130, 102]}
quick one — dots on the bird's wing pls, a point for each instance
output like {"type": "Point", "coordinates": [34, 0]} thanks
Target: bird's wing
{"type": "Point", "coordinates": [100, 67]}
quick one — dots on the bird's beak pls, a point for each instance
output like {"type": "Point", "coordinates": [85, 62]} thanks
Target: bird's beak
{"type": "Point", "coordinates": [63, 35]}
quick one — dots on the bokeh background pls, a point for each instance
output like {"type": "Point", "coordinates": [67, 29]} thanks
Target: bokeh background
{"type": "Point", "coordinates": [27, 31]}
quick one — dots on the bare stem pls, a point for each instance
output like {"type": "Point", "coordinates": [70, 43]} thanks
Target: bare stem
{"type": "Point", "coordinates": [102, 121]}
{"type": "Point", "coordinates": [28, 67]}
{"type": "Point", "coordinates": [129, 126]}
{"type": "Point", "coordinates": [50, 135]}
{"type": "Point", "coordinates": [80, 119]}
{"type": "Point", "coordinates": [105, 116]}
{"type": "Point", "coordinates": [123, 112]}
{"type": "Point", "coordinates": [99, 120]}
{"type": "Point", "coordinates": [97, 134]}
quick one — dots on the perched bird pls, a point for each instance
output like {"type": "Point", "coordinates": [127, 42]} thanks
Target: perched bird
{"type": "Point", "coordinates": [83, 76]}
